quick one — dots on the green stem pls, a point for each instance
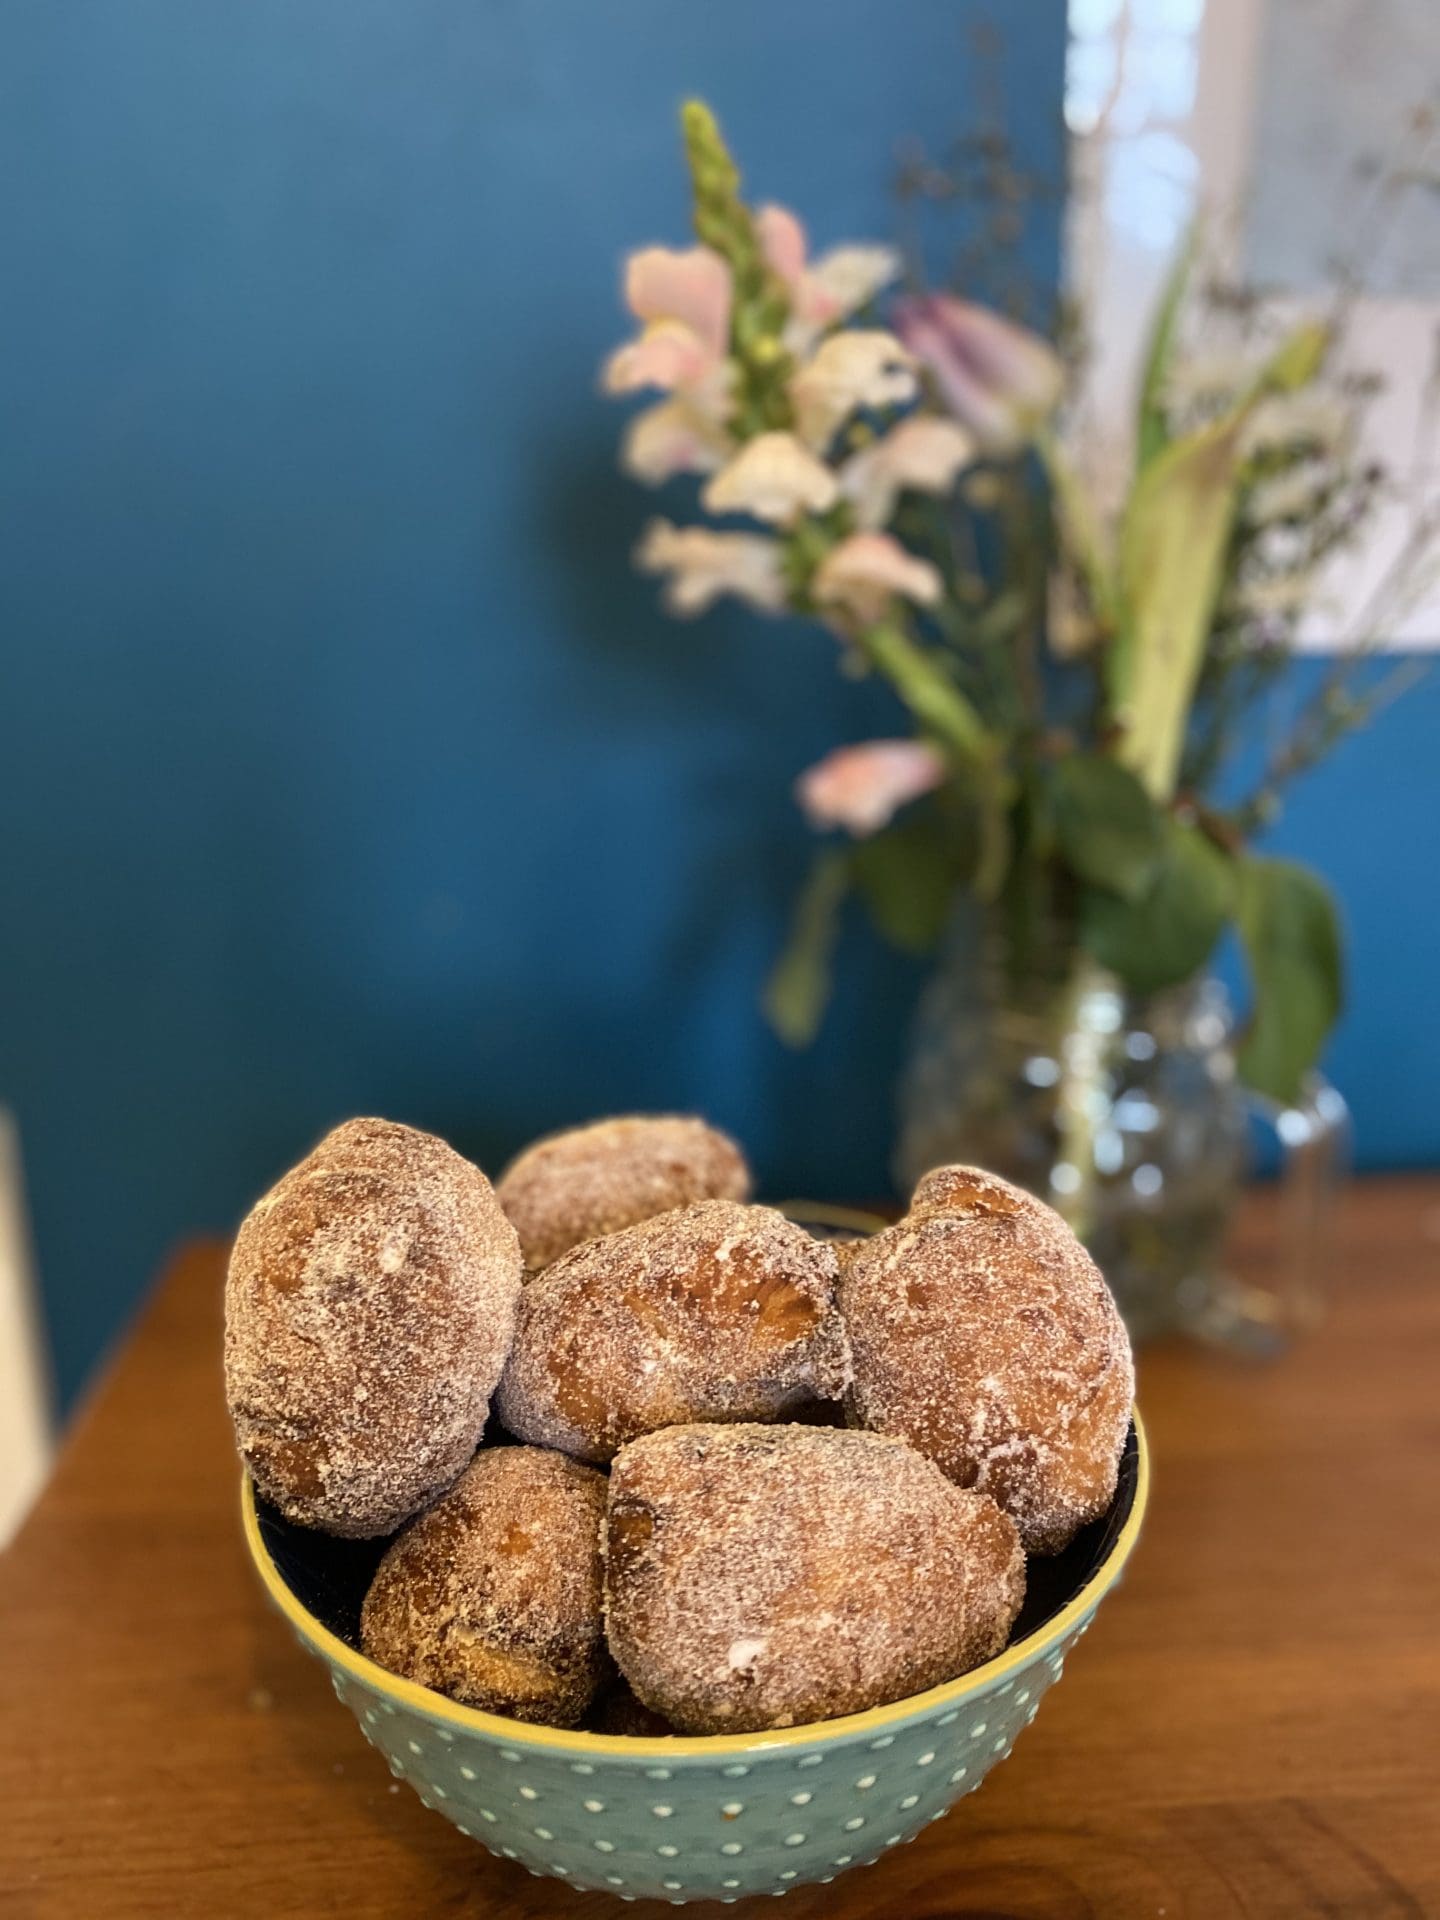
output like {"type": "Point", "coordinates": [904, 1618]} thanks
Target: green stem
{"type": "Point", "coordinates": [931, 696]}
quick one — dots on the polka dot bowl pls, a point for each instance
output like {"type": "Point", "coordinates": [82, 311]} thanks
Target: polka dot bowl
{"type": "Point", "coordinates": [696, 1819]}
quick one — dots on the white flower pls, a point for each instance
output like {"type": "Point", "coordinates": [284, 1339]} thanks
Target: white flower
{"type": "Point", "coordinates": [845, 278]}
{"type": "Point", "coordinates": [860, 788]}
{"type": "Point", "coordinates": [774, 479]}
{"type": "Point", "coordinates": [673, 437]}
{"type": "Point", "coordinates": [863, 367]}
{"type": "Point", "coordinates": [829, 290]}
{"type": "Point", "coordinates": [702, 564]}
{"type": "Point", "coordinates": [861, 575]}
{"type": "Point", "coordinates": [923, 453]}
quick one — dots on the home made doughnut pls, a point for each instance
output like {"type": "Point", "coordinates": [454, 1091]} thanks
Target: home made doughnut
{"type": "Point", "coordinates": [494, 1596]}
{"type": "Point", "coordinates": [983, 1333]}
{"type": "Point", "coordinates": [763, 1577]}
{"type": "Point", "coordinates": [368, 1311]}
{"type": "Point", "coordinates": [594, 1180]}
{"type": "Point", "coordinates": [712, 1312]}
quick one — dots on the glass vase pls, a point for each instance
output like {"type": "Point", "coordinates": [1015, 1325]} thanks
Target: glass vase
{"type": "Point", "coordinates": [1126, 1112]}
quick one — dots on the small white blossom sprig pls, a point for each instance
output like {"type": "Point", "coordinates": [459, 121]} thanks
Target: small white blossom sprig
{"type": "Point", "coordinates": [799, 419]}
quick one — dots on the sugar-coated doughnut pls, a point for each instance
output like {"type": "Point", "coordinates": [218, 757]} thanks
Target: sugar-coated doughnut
{"type": "Point", "coordinates": [494, 1596]}
{"type": "Point", "coordinates": [711, 1312]}
{"type": "Point", "coordinates": [983, 1333]}
{"type": "Point", "coordinates": [369, 1308]}
{"type": "Point", "coordinates": [764, 1577]}
{"type": "Point", "coordinates": [594, 1180]}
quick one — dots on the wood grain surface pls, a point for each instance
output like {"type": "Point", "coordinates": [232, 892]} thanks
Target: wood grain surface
{"type": "Point", "coordinates": [1252, 1728]}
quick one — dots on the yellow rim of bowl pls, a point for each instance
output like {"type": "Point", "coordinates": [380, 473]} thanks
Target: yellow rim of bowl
{"type": "Point", "coordinates": [577, 1745]}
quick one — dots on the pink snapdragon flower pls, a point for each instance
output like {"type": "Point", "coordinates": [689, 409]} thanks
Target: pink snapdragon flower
{"type": "Point", "coordinates": [998, 379]}
{"type": "Point", "coordinates": [827, 290]}
{"type": "Point", "coordinates": [862, 788]}
{"type": "Point", "coordinates": [861, 576]}
{"type": "Point", "coordinates": [923, 453]}
{"type": "Point", "coordinates": [683, 298]}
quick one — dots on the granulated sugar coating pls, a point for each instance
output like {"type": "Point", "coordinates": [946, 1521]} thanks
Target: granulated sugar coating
{"type": "Point", "coordinates": [368, 1311]}
{"type": "Point", "coordinates": [763, 1577]}
{"type": "Point", "coordinates": [494, 1596]}
{"type": "Point", "coordinates": [711, 1312]}
{"type": "Point", "coordinates": [594, 1180]}
{"type": "Point", "coordinates": [983, 1333]}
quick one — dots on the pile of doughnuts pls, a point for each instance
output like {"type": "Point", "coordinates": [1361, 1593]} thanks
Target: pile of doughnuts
{"type": "Point", "coordinates": [655, 1458]}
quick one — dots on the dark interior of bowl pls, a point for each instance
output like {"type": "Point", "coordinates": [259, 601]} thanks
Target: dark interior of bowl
{"type": "Point", "coordinates": [329, 1577]}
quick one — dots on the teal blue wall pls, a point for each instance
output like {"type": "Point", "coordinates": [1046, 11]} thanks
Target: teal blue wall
{"type": "Point", "coordinates": [343, 762]}
{"type": "Point", "coordinates": [344, 765]}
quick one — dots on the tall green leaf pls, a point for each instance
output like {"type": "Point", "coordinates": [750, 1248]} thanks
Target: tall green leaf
{"type": "Point", "coordinates": [1291, 935]}
{"type": "Point", "coordinates": [799, 987]}
{"type": "Point", "coordinates": [1151, 434]}
{"type": "Point", "coordinates": [1110, 831]}
{"type": "Point", "coordinates": [1168, 932]}
{"type": "Point", "coordinates": [1173, 545]}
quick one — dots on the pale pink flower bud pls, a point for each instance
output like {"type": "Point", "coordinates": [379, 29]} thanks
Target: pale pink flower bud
{"type": "Point", "coordinates": [782, 241]}
{"type": "Point", "coordinates": [667, 355]}
{"type": "Point", "coordinates": [998, 379]}
{"type": "Point", "coordinates": [692, 287]}
{"type": "Point", "coordinates": [672, 438]}
{"type": "Point", "coordinates": [863, 574]}
{"type": "Point", "coordinates": [832, 288]}
{"type": "Point", "coordinates": [922, 454]}
{"type": "Point", "coordinates": [862, 788]}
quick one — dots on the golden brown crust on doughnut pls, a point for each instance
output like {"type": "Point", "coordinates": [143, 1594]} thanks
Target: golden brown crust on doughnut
{"type": "Point", "coordinates": [711, 1312]}
{"type": "Point", "coordinates": [984, 1334]}
{"type": "Point", "coordinates": [493, 1597]}
{"type": "Point", "coordinates": [589, 1181]}
{"type": "Point", "coordinates": [369, 1307]}
{"type": "Point", "coordinates": [764, 1577]}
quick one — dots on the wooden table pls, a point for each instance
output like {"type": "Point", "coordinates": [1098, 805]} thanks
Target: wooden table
{"type": "Point", "coordinates": [1252, 1728]}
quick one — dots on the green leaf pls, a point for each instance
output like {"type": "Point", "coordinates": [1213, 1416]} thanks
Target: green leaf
{"type": "Point", "coordinates": [1173, 547]}
{"type": "Point", "coordinates": [1110, 831]}
{"type": "Point", "coordinates": [907, 878]}
{"type": "Point", "coordinates": [1172, 554]}
{"type": "Point", "coordinates": [1168, 933]}
{"type": "Point", "coordinates": [799, 987]}
{"type": "Point", "coordinates": [1291, 935]}
{"type": "Point", "coordinates": [1151, 432]}
{"type": "Point", "coordinates": [1295, 362]}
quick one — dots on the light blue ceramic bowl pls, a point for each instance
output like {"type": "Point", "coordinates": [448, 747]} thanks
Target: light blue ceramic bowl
{"type": "Point", "coordinates": [697, 1819]}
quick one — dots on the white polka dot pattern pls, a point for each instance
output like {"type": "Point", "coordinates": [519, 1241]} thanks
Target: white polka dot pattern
{"type": "Point", "coordinates": [800, 1816]}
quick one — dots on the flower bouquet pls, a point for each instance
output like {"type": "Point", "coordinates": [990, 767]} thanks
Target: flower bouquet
{"type": "Point", "coordinates": [1062, 820]}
